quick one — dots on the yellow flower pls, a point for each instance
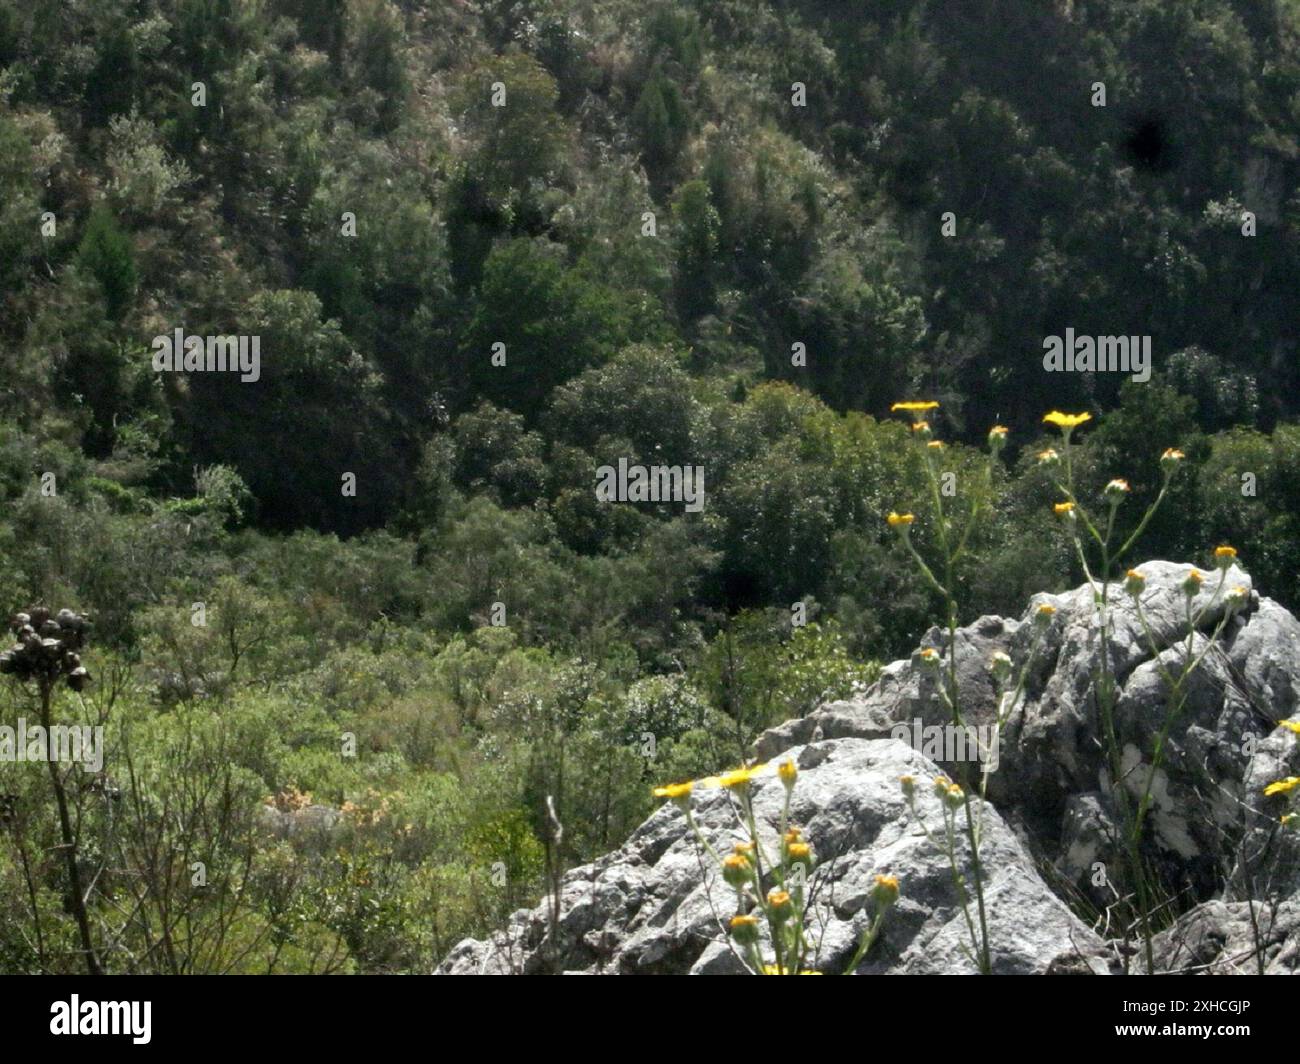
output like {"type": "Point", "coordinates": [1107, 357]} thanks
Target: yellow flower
{"type": "Point", "coordinates": [1224, 557]}
{"type": "Point", "coordinates": [908, 783]}
{"type": "Point", "coordinates": [780, 905]}
{"type": "Point", "coordinates": [1192, 583]}
{"type": "Point", "coordinates": [900, 521]}
{"type": "Point", "coordinates": [735, 780]}
{"type": "Point", "coordinates": [1063, 509]}
{"type": "Point", "coordinates": [675, 791]}
{"type": "Point", "coordinates": [1134, 582]}
{"type": "Point", "coordinates": [799, 852]}
{"type": "Point", "coordinates": [935, 445]}
{"type": "Point", "coordinates": [772, 969]}
{"type": "Point", "coordinates": [1116, 490]}
{"type": "Point", "coordinates": [1066, 421]}
{"type": "Point", "coordinates": [735, 870]}
{"type": "Point", "coordinates": [914, 407]}
{"type": "Point", "coordinates": [1048, 457]}
{"type": "Point", "coordinates": [886, 890]}
{"type": "Point", "coordinates": [1170, 459]}
{"type": "Point", "coordinates": [793, 834]}
{"type": "Point", "coordinates": [1285, 786]}
{"type": "Point", "coordinates": [744, 929]}
{"type": "Point", "coordinates": [1291, 725]}
{"type": "Point", "coordinates": [788, 772]}
{"type": "Point", "coordinates": [1045, 613]}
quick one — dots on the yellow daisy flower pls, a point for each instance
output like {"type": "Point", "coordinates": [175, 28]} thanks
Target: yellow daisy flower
{"type": "Point", "coordinates": [1066, 421]}
{"type": "Point", "coordinates": [675, 791]}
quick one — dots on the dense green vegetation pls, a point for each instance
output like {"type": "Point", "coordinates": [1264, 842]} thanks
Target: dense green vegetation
{"type": "Point", "coordinates": [649, 224]}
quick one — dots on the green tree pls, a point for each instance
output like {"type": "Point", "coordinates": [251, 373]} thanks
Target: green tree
{"type": "Point", "coordinates": [106, 253]}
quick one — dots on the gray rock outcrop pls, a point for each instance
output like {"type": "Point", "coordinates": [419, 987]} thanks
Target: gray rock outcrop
{"type": "Point", "coordinates": [1213, 841]}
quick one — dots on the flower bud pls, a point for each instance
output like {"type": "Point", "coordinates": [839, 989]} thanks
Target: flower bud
{"type": "Point", "coordinates": [744, 929]}
{"type": "Point", "coordinates": [929, 659]}
{"type": "Point", "coordinates": [788, 773]}
{"type": "Point", "coordinates": [1192, 583]}
{"type": "Point", "coordinates": [997, 438]}
{"type": "Point", "coordinates": [735, 870]}
{"type": "Point", "coordinates": [1116, 491]}
{"type": "Point", "coordinates": [1000, 666]}
{"type": "Point", "coordinates": [799, 853]}
{"type": "Point", "coordinates": [1134, 583]}
{"type": "Point", "coordinates": [885, 892]}
{"type": "Point", "coordinates": [780, 905]}
{"type": "Point", "coordinates": [1224, 557]}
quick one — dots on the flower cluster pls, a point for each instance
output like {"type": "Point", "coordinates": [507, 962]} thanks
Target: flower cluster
{"type": "Point", "coordinates": [771, 895]}
{"type": "Point", "coordinates": [47, 647]}
{"type": "Point", "coordinates": [1291, 784]}
{"type": "Point", "coordinates": [1096, 535]}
